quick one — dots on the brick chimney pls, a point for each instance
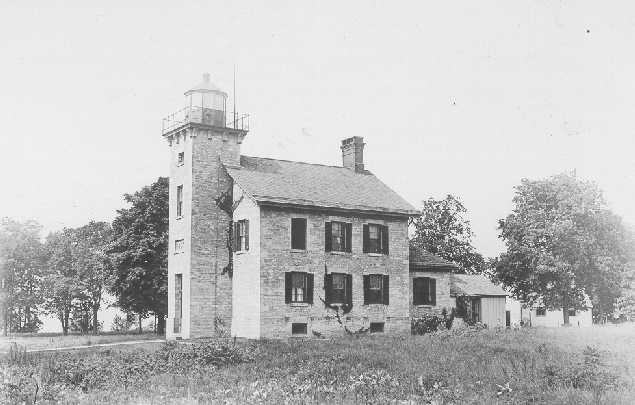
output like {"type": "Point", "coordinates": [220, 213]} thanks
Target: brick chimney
{"type": "Point", "coordinates": [353, 153]}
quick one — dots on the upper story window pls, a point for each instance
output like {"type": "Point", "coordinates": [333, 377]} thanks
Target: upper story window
{"type": "Point", "coordinates": [541, 311]}
{"type": "Point", "coordinates": [337, 236]}
{"type": "Point", "coordinates": [298, 233]}
{"type": "Point", "coordinates": [179, 246]}
{"type": "Point", "coordinates": [424, 291]}
{"type": "Point", "coordinates": [180, 159]}
{"type": "Point", "coordinates": [339, 288]}
{"type": "Point", "coordinates": [179, 201]}
{"type": "Point", "coordinates": [376, 289]}
{"type": "Point", "coordinates": [241, 235]}
{"type": "Point", "coordinates": [298, 287]}
{"type": "Point", "coordinates": [375, 239]}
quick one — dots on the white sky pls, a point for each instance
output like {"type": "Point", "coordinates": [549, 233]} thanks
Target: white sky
{"type": "Point", "coordinates": [451, 97]}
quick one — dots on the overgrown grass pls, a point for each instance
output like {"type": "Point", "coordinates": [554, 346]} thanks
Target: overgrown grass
{"type": "Point", "coordinates": [526, 366]}
{"type": "Point", "coordinates": [40, 341]}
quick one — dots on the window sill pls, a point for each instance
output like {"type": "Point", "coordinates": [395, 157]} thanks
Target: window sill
{"type": "Point", "coordinates": [376, 304]}
{"type": "Point", "coordinates": [297, 250]}
{"type": "Point", "coordinates": [240, 252]}
{"type": "Point", "coordinates": [299, 304]}
{"type": "Point", "coordinates": [376, 254]}
{"type": "Point", "coordinates": [424, 306]}
{"type": "Point", "coordinates": [336, 252]}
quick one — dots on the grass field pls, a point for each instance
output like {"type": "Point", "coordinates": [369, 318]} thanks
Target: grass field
{"type": "Point", "coordinates": [36, 341]}
{"type": "Point", "coordinates": [554, 366]}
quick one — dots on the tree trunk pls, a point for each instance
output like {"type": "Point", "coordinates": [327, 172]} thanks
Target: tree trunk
{"type": "Point", "coordinates": [95, 323]}
{"type": "Point", "coordinates": [565, 310]}
{"type": "Point", "coordinates": [140, 320]}
{"type": "Point", "coordinates": [161, 324]}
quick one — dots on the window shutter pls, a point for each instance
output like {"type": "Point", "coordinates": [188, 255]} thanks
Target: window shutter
{"type": "Point", "coordinates": [366, 288]}
{"type": "Point", "coordinates": [384, 239]}
{"type": "Point", "coordinates": [327, 236]}
{"type": "Point", "coordinates": [246, 224]}
{"type": "Point", "coordinates": [386, 289]}
{"type": "Point", "coordinates": [433, 291]}
{"type": "Point", "coordinates": [417, 293]}
{"type": "Point", "coordinates": [365, 238]}
{"type": "Point", "coordinates": [349, 289]}
{"type": "Point", "coordinates": [235, 236]}
{"type": "Point", "coordinates": [287, 287]}
{"type": "Point", "coordinates": [328, 287]}
{"type": "Point", "coordinates": [349, 237]}
{"type": "Point", "coordinates": [309, 288]}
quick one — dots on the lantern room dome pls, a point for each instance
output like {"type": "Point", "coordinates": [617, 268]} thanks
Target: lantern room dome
{"type": "Point", "coordinates": [206, 86]}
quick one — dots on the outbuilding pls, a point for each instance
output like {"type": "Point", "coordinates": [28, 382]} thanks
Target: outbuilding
{"type": "Point", "coordinates": [478, 300]}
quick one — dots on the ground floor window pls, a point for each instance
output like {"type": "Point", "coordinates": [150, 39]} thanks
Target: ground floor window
{"type": "Point", "coordinates": [298, 287]}
{"type": "Point", "coordinates": [376, 327]}
{"type": "Point", "coordinates": [298, 328]}
{"type": "Point", "coordinates": [376, 289]}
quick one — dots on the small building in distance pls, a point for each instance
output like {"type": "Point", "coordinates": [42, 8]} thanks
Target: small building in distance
{"type": "Point", "coordinates": [538, 315]}
{"type": "Point", "coordinates": [479, 300]}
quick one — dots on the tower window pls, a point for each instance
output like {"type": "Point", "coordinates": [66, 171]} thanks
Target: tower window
{"type": "Point", "coordinates": [180, 159]}
{"type": "Point", "coordinates": [179, 201]}
{"type": "Point", "coordinates": [179, 246]}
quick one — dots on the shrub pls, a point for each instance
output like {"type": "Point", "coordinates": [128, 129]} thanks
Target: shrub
{"type": "Point", "coordinates": [121, 324]}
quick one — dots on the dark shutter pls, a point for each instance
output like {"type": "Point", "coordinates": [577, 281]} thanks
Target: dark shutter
{"type": "Point", "coordinates": [365, 238]}
{"type": "Point", "coordinates": [287, 287]}
{"type": "Point", "coordinates": [328, 288]}
{"type": "Point", "coordinates": [366, 288]}
{"type": "Point", "coordinates": [235, 236]}
{"type": "Point", "coordinates": [386, 289]}
{"type": "Point", "coordinates": [309, 288]}
{"type": "Point", "coordinates": [433, 291]}
{"type": "Point", "coordinates": [246, 225]}
{"type": "Point", "coordinates": [349, 289]}
{"type": "Point", "coordinates": [417, 291]}
{"type": "Point", "coordinates": [349, 237]}
{"type": "Point", "coordinates": [384, 239]}
{"type": "Point", "coordinates": [298, 233]}
{"type": "Point", "coordinates": [327, 236]}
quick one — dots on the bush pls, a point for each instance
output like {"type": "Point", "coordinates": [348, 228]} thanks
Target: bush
{"type": "Point", "coordinates": [121, 324]}
{"type": "Point", "coordinates": [429, 323]}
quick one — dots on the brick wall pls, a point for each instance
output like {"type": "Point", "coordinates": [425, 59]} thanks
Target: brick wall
{"type": "Point", "coordinates": [278, 258]}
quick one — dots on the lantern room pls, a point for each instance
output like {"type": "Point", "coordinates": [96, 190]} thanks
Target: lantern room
{"type": "Point", "coordinates": [206, 103]}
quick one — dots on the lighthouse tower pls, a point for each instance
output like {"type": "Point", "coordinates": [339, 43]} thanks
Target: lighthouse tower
{"type": "Point", "coordinates": [201, 141]}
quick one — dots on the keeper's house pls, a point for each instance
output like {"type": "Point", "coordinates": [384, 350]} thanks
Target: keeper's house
{"type": "Point", "coordinates": [267, 248]}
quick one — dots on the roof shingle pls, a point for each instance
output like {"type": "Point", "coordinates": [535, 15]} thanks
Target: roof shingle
{"type": "Point", "coordinates": [473, 285]}
{"type": "Point", "coordinates": [298, 183]}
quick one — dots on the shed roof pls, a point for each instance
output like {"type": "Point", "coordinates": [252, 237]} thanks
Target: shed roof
{"type": "Point", "coordinates": [297, 183]}
{"type": "Point", "coordinates": [422, 260]}
{"type": "Point", "coordinates": [474, 285]}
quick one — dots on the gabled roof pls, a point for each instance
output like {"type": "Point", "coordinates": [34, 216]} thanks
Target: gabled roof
{"type": "Point", "coordinates": [473, 285]}
{"type": "Point", "coordinates": [283, 182]}
{"type": "Point", "coordinates": [422, 260]}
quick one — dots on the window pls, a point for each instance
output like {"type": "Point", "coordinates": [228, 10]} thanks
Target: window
{"type": "Point", "coordinates": [179, 246]}
{"type": "Point", "coordinates": [180, 159]}
{"type": "Point", "coordinates": [298, 233]}
{"type": "Point", "coordinates": [298, 287]}
{"type": "Point", "coordinates": [339, 288]}
{"type": "Point", "coordinates": [179, 201]}
{"type": "Point", "coordinates": [298, 328]}
{"type": "Point", "coordinates": [541, 311]}
{"type": "Point", "coordinates": [571, 312]}
{"type": "Point", "coordinates": [375, 289]}
{"type": "Point", "coordinates": [241, 235]}
{"type": "Point", "coordinates": [178, 302]}
{"type": "Point", "coordinates": [424, 291]}
{"type": "Point", "coordinates": [375, 239]}
{"type": "Point", "coordinates": [337, 236]}
{"type": "Point", "coordinates": [376, 327]}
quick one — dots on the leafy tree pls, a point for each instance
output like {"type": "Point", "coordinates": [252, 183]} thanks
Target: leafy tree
{"type": "Point", "coordinates": [22, 258]}
{"type": "Point", "coordinates": [562, 243]}
{"type": "Point", "coordinates": [139, 251]}
{"type": "Point", "coordinates": [443, 230]}
{"type": "Point", "coordinates": [94, 268]}
{"type": "Point", "coordinates": [62, 275]}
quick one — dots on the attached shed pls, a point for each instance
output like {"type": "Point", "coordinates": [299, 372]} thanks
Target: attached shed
{"type": "Point", "coordinates": [478, 299]}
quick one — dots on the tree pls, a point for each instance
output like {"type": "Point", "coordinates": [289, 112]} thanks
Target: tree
{"type": "Point", "coordinates": [562, 243]}
{"type": "Point", "coordinates": [94, 267]}
{"type": "Point", "coordinates": [443, 230]}
{"type": "Point", "coordinates": [22, 255]}
{"type": "Point", "coordinates": [140, 250]}
{"type": "Point", "coordinates": [61, 279]}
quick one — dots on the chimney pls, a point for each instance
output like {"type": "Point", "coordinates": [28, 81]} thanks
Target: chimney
{"type": "Point", "coordinates": [353, 153]}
